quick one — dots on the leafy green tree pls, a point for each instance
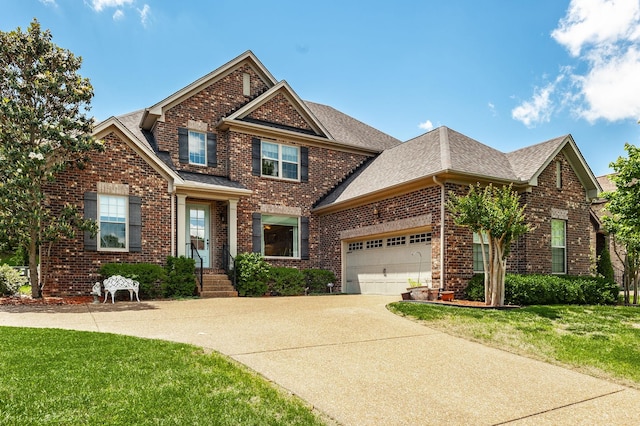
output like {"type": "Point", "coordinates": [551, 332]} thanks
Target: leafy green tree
{"type": "Point", "coordinates": [44, 129]}
{"type": "Point", "coordinates": [622, 218]}
{"type": "Point", "coordinates": [496, 215]}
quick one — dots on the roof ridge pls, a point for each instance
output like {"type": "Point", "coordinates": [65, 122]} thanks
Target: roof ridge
{"type": "Point", "coordinates": [445, 149]}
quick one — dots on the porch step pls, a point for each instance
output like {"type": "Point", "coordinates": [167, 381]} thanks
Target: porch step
{"type": "Point", "coordinates": [216, 285]}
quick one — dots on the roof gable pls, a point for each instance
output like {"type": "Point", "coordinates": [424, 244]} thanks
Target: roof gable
{"type": "Point", "coordinates": [157, 111]}
{"type": "Point", "coordinates": [258, 112]}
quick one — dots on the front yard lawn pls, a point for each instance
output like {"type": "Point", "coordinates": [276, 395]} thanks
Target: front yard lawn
{"type": "Point", "coordinates": [599, 340]}
{"type": "Point", "coordinates": [64, 377]}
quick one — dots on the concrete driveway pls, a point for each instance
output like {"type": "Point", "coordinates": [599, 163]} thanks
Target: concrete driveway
{"type": "Point", "coordinates": [361, 365]}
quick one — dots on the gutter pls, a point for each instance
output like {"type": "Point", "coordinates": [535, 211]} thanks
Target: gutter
{"type": "Point", "coordinates": [442, 233]}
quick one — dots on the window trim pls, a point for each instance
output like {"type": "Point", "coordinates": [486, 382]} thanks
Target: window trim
{"type": "Point", "coordinates": [280, 161]}
{"type": "Point", "coordinates": [563, 247]}
{"type": "Point", "coordinates": [126, 224]}
{"type": "Point", "coordinates": [297, 237]}
{"type": "Point", "coordinates": [204, 147]}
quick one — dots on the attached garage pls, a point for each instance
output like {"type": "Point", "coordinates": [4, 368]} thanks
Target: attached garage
{"type": "Point", "coordinates": [383, 265]}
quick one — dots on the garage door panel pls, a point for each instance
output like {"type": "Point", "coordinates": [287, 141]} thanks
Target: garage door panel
{"type": "Point", "coordinates": [387, 269]}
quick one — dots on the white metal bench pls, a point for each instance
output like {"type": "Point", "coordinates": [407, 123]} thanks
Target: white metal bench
{"type": "Point", "coordinates": [115, 283]}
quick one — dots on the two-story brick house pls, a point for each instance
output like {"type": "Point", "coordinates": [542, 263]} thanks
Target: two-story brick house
{"type": "Point", "coordinates": [237, 162]}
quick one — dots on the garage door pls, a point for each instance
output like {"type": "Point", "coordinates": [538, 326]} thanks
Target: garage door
{"type": "Point", "coordinates": [384, 265]}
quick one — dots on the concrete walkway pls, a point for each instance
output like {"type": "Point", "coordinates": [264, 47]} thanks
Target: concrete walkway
{"type": "Point", "coordinates": [358, 363]}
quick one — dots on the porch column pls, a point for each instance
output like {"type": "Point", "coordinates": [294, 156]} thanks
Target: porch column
{"type": "Point", "coordinates": [232, 215]}
{"type": "Point", "coordinates": [182, 224]}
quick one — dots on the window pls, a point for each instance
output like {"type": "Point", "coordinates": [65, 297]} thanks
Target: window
{"type": "Point", "coordinates": [356, 246]}
{"type": "Point", "coordinates": [112, 222]}
{"type": "Point", "coordinates": [419, 238]}
{"type": "Point", "coordinates": [197, 148]}
{"type": "Point", "coordinates": [280, 236]}
{"type": "Point", "coordinates": [396, 241]}
{"type": "Point", "coordinates": [280, 160]}
{"type": "Point", "coordinates": [478, 265]}
{"type": "Point", "coordinates": [558, 246]}
{"type": "Point", "coordinates": [371, 244]}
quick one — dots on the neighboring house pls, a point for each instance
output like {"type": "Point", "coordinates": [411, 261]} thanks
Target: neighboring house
{"type": "Point", "coordinates": [600, 238]}
{"type": "Point", "coordinates": [237, 162]}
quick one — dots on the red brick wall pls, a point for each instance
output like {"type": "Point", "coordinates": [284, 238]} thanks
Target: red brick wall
{"type": "Point", "coordinates": [72, 270]}
{"type": "Point", "coordinates": [280, 111]}
{"type": "Point", "coordinates": [209, 105]}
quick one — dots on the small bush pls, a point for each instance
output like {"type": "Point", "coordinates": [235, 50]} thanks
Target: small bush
{"type": "Point", "coordinates": [286, 282]}
{"type": "Point", "coordinates": [317, 279]}
{"type": "Point", "coordinates": [251, 273]}
{"type": "Point", "coordinates": [181, 279]}
{"type": "Point", "coordinates": [149, 275]}
{"type": "Point", "coordinates": [11, 280]}
{"type": "Point", "coordinates": [549, 290]}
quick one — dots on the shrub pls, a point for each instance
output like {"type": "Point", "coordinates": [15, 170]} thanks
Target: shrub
{"type": "Point", "coordinates": [181, 279]}
{"type": "Point", "coordinates": [605, 268]}
{"type": "Point", "coordinates": [317, 279]}
{"type": "Point", "coordinates": [251, 273]}
{"type": "Point", "coordinates": [11, 280]}
{"type": "Point", "coordinates": [149, 275]}
{"type": "Point", "coordinates": [286, 282]}
{"type": "Point", "coordinates": [549, 290]}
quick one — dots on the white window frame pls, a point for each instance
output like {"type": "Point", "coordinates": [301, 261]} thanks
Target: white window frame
{"type": "Point", "coordinates": [555, 246]}
{"type": "Point", "coordinates": [280, 161]}
{"type": "Point", "coordinates": [477, 247]}
{"type": "Point", "coordinates": [269, 220]}
{"type": "Point", "coordinates": [198, 141]}
{"type": "Point", "coordinates": [100, 207]}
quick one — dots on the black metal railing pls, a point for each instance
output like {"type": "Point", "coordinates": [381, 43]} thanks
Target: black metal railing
{"type": "Point", "coordinates": [229, 264]}
{"type": "Point", "coordinates": [195, 255]}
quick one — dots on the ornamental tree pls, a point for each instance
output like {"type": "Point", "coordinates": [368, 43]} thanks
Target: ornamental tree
{"type": "Point", "coordinates": [622, 217]}
{"type": "Point", "coordinates": [44, 129]}
{"type": "Point", "coordinates": [496, 215]}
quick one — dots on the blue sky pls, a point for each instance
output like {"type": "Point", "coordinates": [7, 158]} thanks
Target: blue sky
{"type": "Point", "coordinates": [506, 73]}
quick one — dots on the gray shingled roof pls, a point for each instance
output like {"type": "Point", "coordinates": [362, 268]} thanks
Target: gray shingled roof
{"type": "Point", "coordinates": [210, 180]}
{"type": "Point", "coordinates": [132, 122]}
{"type": "Point", "coordinates": [348, 130]}
{"type": "Point", "coordinates": [438, 151]}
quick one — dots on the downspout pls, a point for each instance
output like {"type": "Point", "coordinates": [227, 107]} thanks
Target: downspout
{"type": "Point", "coordinates": [172, 195]}
{"type": "Point", "coordinates": [442, 234]}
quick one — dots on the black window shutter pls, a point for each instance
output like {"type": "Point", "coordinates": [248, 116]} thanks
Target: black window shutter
{"type": "Point", "coordinates": [212, 150]}
{"type": "Point", "coordinates": [90, 212]}
{"type": "Point", "coordinates": [135, 224]}
{"type": "Point", "coordinates": [256, 157]}
{"type": "Point", "coordinates": [256, 234]}
{"type": "Point", "coordinates": [304, 238]}
{"type": "Point", "coordinates": [304, 164]}
{"type": "Point", "coordinates": [183, 145]}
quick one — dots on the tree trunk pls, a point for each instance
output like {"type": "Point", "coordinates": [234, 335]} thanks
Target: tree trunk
{"type": "Point", "coordinates": [33, 265]}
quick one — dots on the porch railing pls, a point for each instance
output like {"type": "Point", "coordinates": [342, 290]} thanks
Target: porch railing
{"type": "Point", "coordinates": [195, 255]}
{"type": "Point", "coordinates": [229, 260]}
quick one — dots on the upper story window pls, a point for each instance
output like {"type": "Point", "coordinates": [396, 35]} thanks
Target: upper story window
{"type": "Point", "coordinates": [197, 148]}
{"type": "Point", "coordinates": [558, 246]}
{"type": "Point", "coordinates": [281, 161]}
{"type": "Point", "coordinates": [112, 222]}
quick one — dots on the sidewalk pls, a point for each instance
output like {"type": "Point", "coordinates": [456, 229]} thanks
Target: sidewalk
{"type": "Point", "coordinates": [361, 365]}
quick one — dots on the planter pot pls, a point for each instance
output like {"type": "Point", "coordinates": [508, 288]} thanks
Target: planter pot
{"type": "Point", "coordinates": [406, 296]}
{"type": "Point", "coordinates": [423, 293]}
{"type": "Point", "coordinates": [446, 296]}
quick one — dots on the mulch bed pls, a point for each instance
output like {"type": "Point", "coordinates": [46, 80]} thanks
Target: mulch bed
{"type": "Point", "coordinates": [463, 304]}
{"type": "Point", "coordinates": [28, 300]}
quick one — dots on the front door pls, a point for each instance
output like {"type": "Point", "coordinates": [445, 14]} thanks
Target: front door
{"type": "Point", "coordinates": [198, 231]}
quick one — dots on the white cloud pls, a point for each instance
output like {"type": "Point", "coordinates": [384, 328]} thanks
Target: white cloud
{"type": "Point", "coordinates": [49, 3]}
{"type": "Point", "coordinates": [537, 110]}
{"type": "Point", "coordinates": [118, 15]}
{"type": "Point", "coordinates": [99, 5]}
{"type": "Point", "coordinates": [144, 15]}
{"type": "Point", "coordinates": [597, 22]}
{"type": "Point", "coordinates": [604, 36]}
{"type": "Point", "coordinates": [492, 109]}
{"type": "Point", "coordinates": [427, 125]}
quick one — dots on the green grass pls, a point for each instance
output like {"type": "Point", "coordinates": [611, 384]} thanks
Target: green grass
{"type": "Point", "coordinates": [600, 340]}
{"type": "Point", "coordinates": [69, 377]}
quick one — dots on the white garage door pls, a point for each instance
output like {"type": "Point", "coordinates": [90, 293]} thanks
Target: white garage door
{"type": "Point", "coordinates": [384, 265]}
